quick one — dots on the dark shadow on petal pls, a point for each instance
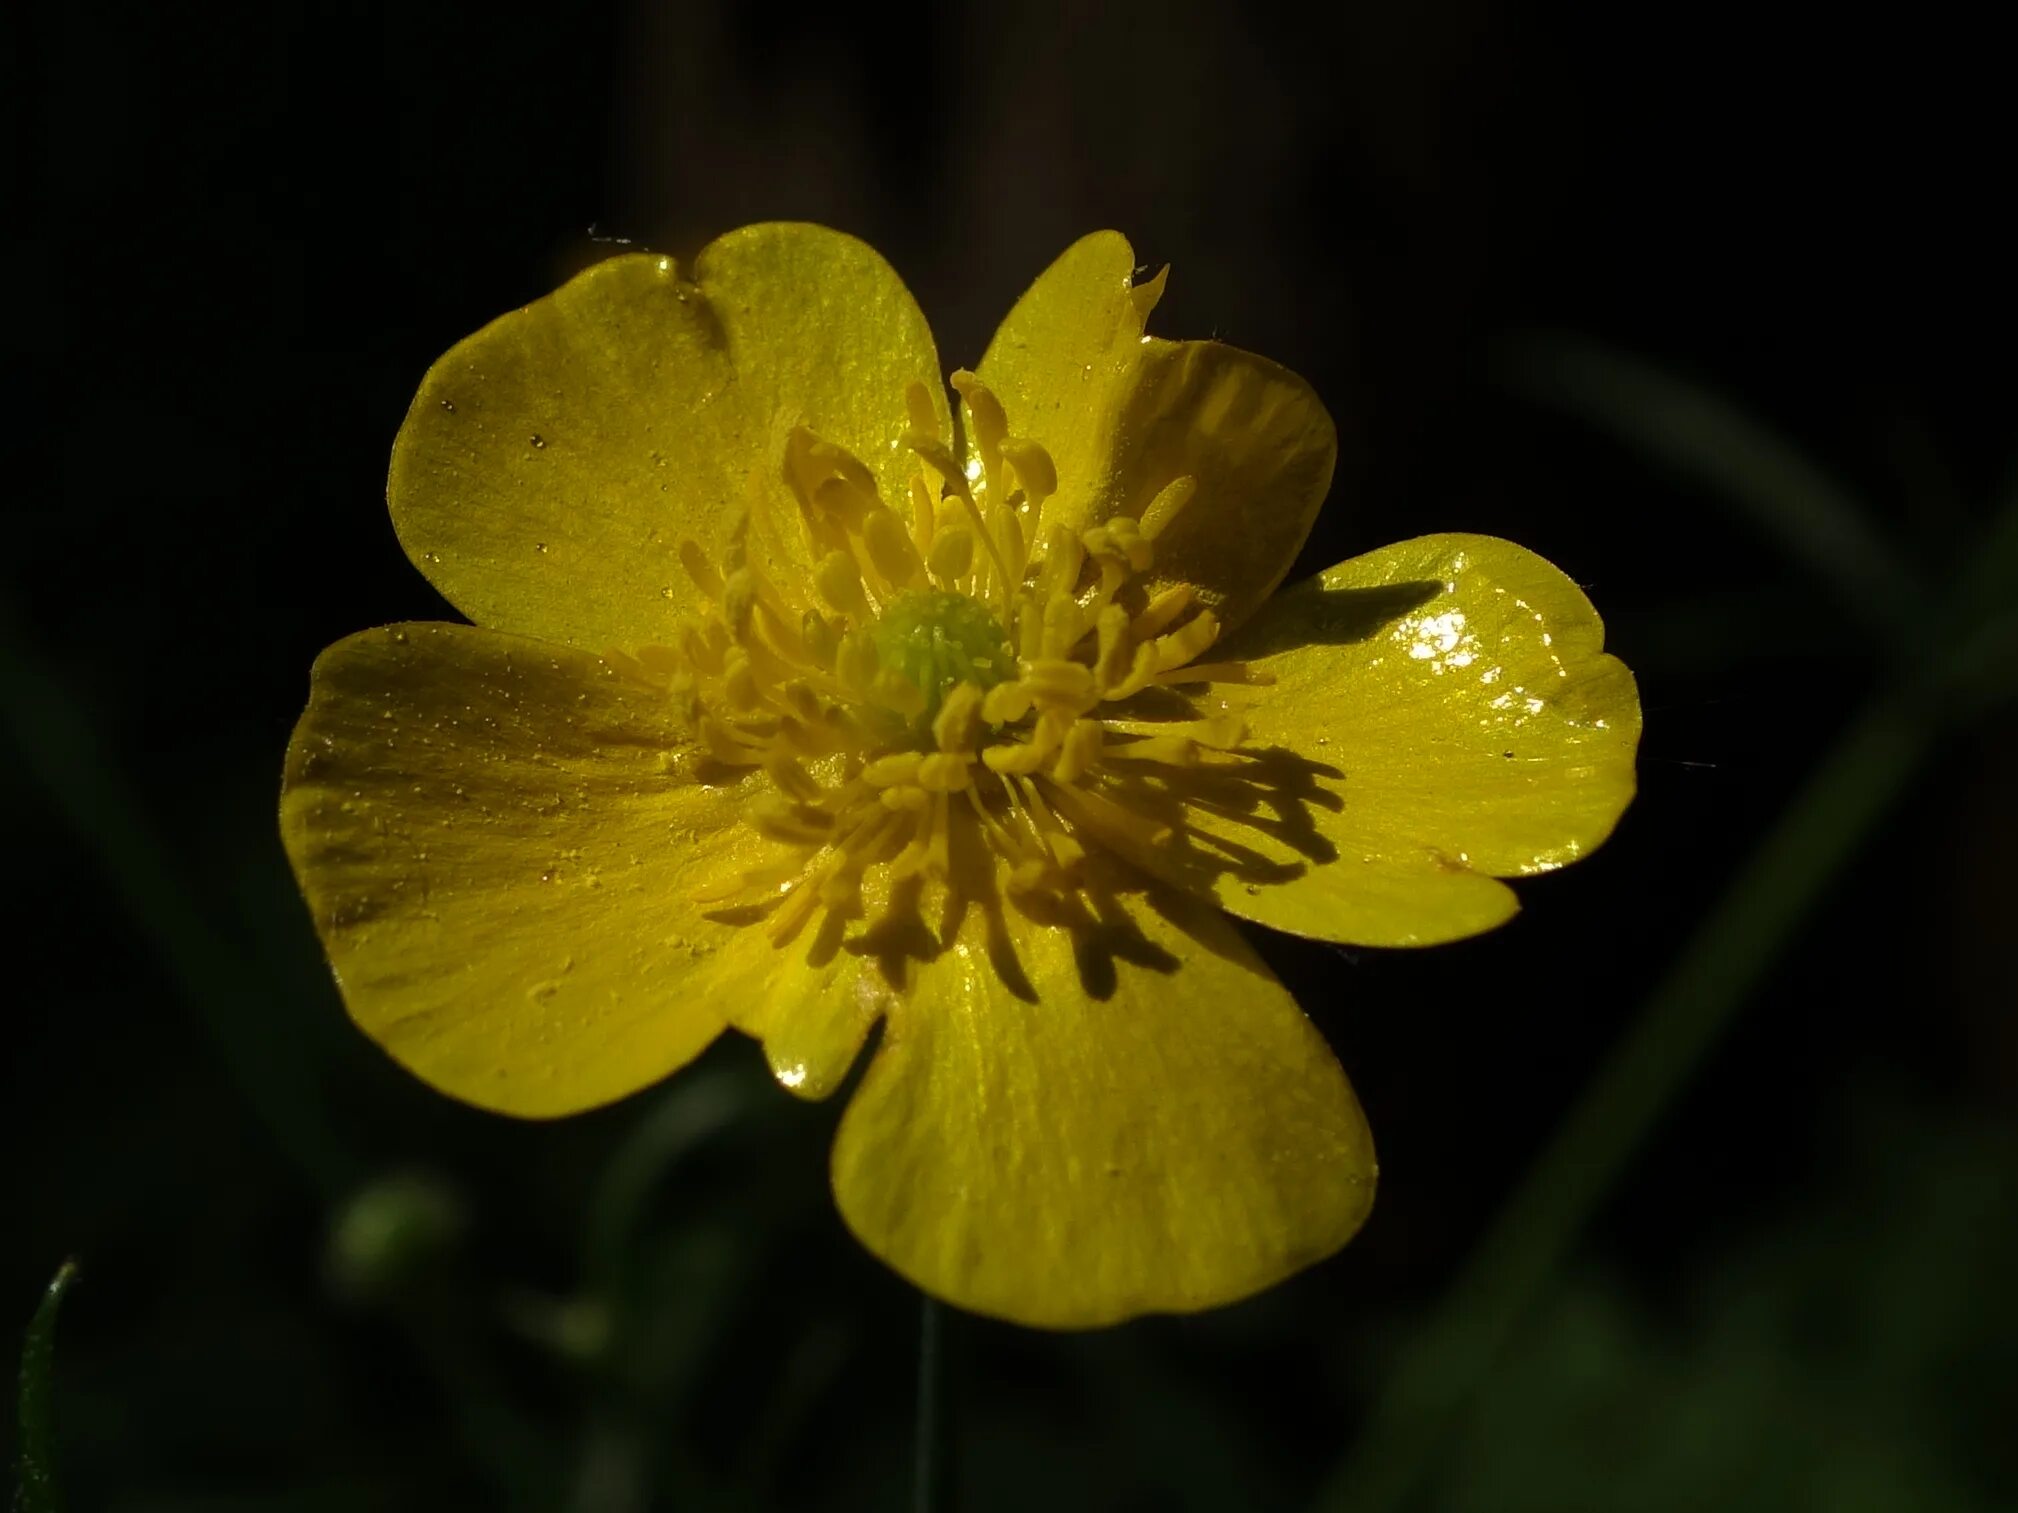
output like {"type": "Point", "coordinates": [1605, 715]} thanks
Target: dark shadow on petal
{"type": "Point", "coordinates": [899, 935]}
{"type": "Point", "coordinates": [827, 940]}
{"type": "Point", "coordinates": [1312, 615]}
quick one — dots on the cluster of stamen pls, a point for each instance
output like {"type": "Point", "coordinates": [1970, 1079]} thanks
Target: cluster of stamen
{"type": "Point", "coordinates": [965, 663]}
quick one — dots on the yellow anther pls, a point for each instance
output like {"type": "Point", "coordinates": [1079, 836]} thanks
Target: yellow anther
{"type": "Point", "coordinates": [958, 723]}
{"type": "Point", "coordinates": [991, 423]}
{"type": "Point", "coordinates": [1187, 641]}
{"type": "Point", "coordinates": [1016, 756]}
{"type": "Point", "coordinates": [918, 405]}
{"type": "Point", "coordinates": [935, 454]}
{"type": "Point", "coordinates": [820, 638]}
{"type": "Point", "coordinates": [889, 771]}
{"type": "Point", "coordinates": [1005, 702]}
{"type": "Point", "coordinates": [1063, 624]}
{"type": "Point", "coordinates": [1113, 823]}
{"type": "Point", "coordinates": [797, 908]}
{"type": "Point", "coordinates": [1064, 554]}
{"type": "Point", "coordinates": [845, 500]}
{"type": "Point", "coordinates": [855, 661]}
{"type": "Point", "coordinates": [897, 693]}
{"type": "Point", "coordinates": [944, 772]}
{"type": "Point", "coordinates": [739, 684]}
{"type": "Point", "coordinates": [801, 474]}
{"type": "Point", "coordinates": [1011, 532]}
{"type": "Point", "coordinates": [890, 548]}
{"type": "Point", "coordinates": [1161, 611]}
{"type": "Point", "coordinates": [1029, 755]}
{"type": "Point", "coordinates": [801, 701]}
{"type": "Point", "coordinates": [779, 635]}
{"type": "Point", "coordinates": [1117, 648]}
{"type": "Point", "coordinates": [1032, 876]}
{"type": "Point", "coordinates": [683, 696]}
{"type": "Point", "coordinates": [1079, 752]}
{"type": "Point", "coordinates": [701, 570]}
{"type": "Point", "coordinates": [1126, 541]}
{"type": "Point", "coordinates": [1034, 468]}
{"type": "Point", "coordinates": [779, 819]}
{"type": "Point", "coordinates": [929, 847]}
{"type": "Point", "coordinates": [1026, 625]}
{"type": "Point", "coordinates": [952, 553]}
{"type": "Point", "coordinates": [1168, 504]}
{"type": "Point", "coordinates": [692, 643]}
{"type": "Point", "coordinates": [923, 516]}
{"type": "Point", "coordinates": [840, 584]}
{"type": "Point", "coordinates": [736, 555]}
{"type": "Point", "coordinates": [1054, 683]}
{"type": "Point", "coordinates": [724, 745]}
{"type": "Point", "coordinates": [905, 798]}
{"type": "Point", "coordinates": [792, 779]}
{"type": "Point", "coordinates": [839, 461]}
{"type": "Point", "coordinates": [739, 601]}
{"type": "Point", "coordinates": [1141, 673]}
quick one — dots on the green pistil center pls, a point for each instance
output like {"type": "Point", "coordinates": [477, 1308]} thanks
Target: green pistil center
{"type": "Point", "coordinates": [936, 640]}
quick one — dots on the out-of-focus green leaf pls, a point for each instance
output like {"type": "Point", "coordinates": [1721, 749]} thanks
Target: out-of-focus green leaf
{"type": "Point", "coordinates": [35, 1488]}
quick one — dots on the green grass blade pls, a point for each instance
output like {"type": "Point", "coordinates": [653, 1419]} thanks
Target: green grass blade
{"type": "Point", "coordinates": [35, 1489]}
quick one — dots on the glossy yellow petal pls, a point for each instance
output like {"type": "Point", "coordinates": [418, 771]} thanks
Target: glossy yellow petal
{"type": "Point", "coordinates": [1124, 415]}
{"type": "Point", "coordinates": [1066, 1129]}
{"type": "Point", "coordinates": [552, 463]}
{"type": "Point", "coordinates": [500, 840]}
{"type": "Point", "coordinates": [1062, 360]}
{"type": "Point", "coordinates": [1444, 714]}
{"type": "Point", "coordinates": [810, 1006]}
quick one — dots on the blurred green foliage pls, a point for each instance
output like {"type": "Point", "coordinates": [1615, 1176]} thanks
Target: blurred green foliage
{"type": "Point", "coordinates": [1856, 1353]}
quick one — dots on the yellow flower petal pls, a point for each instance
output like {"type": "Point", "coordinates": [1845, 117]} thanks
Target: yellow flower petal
{"type": "Point", "coordinates": [1123, 415]}
{"type": "Point", "coordinates": [811, 1010]}
{"type": "Point", "coordinates": [552, 463]}
{"type": "Point", "coordinates": [1447, 716]}
{"type": "Point", "coordinates": [499, 841]}
{"type": "Point", "coordinates": [1066, 1129]}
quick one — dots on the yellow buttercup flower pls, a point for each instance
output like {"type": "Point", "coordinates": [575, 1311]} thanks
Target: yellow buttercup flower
{"type": "Point", "coordinates": [792, 706]}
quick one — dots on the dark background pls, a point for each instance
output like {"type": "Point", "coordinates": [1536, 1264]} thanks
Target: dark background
{"type": "Point", "coordinates": [239, 238]}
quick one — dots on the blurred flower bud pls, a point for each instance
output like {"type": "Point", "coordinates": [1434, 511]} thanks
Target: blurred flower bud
{"type": "Point", "coordinates": [391, 1236]}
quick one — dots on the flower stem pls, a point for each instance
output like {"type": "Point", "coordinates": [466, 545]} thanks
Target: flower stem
{"type": "Point", "coordinates": [1842, 803]}
{"type": "Point", "coordinates": [928, 1461]}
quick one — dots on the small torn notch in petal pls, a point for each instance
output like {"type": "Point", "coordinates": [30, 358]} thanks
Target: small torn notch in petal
{"type": "Point", "coordinates": [1128, 419]}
